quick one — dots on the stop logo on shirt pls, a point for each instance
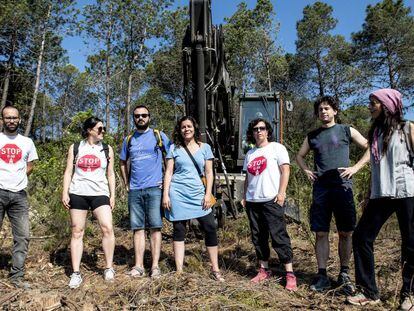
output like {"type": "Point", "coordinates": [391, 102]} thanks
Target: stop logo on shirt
{"type": "Point", "coordinates": [89, 163]}
{"type": "Point", "coordinates": [257, 165]}
{"type": "Point", "coordinates": [10, 153]}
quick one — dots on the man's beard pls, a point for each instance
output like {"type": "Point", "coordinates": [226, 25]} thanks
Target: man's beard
{"type": "Point", "coordinates": [11, 130]}
{"type": "Point", "coordinates": [142, 126]}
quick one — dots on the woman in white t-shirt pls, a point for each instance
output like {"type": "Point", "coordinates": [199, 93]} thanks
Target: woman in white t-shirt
{"type": "Point", "coordinates": [267, 174]}
{"type": "Point", "coordinates": [90, 186]}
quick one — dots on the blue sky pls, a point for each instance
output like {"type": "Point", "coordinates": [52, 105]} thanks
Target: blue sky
{"type": "Point", "coordinates": [349, 13]}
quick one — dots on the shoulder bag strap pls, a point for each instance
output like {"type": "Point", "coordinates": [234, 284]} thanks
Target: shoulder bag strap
{"type": "Point", "coordinates": [194, 161]}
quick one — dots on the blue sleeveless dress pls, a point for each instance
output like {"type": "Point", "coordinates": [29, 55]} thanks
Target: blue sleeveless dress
{"type": "Point", "coordinates": [186, 189]}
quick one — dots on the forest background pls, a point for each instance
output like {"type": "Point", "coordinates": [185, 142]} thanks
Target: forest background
{"type": "Point", "coordinates": [134, 57]}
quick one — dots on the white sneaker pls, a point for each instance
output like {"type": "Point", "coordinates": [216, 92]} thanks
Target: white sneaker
{"type": "Point", "coordinates": [109, 275]}
{"type": "Point", "coordinates": [407, 304]}
{"type": "Point", "coordinates": [75, 280]}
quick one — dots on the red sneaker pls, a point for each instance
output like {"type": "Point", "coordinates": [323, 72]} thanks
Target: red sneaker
{"type": "Point", "coordinates": [262, 275]}
{"type": "Point", "coordinates": [291, 282]}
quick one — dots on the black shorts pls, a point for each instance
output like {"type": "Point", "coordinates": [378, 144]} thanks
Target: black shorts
{"type": "Point", "coordinates": [336, 199]}
{"type": "Point", "coordinates": [84, 202]}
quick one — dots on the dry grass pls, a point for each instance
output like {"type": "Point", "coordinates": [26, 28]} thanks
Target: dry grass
{"type": "Point", "coordinates": [48, 272]}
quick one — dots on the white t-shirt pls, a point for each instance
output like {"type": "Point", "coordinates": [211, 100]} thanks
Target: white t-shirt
{"type": "Point", "coordinates": [15, 152]}
{"type": "Point", "coordinates": [263, 172]}
{"type": "Point", "coordinates": [89, 177]}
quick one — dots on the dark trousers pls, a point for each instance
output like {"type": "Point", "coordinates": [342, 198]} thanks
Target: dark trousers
{"type": "Point", "coordinates": [268, 218]}
{"type": "Point", "coordinates": [373, 218]}
{"type": "Point", "coordinates": [14, 204]}
{"type": "Point", "coordinates": [207, 224]}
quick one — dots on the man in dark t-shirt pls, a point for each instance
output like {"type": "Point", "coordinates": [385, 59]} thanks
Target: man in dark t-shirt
{"type": "Point", "coordinates": [332, 188]}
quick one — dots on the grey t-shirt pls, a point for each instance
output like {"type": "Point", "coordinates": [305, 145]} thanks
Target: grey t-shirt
{"type": "Point", "coordinates": [331, 150]}
{"type": "Point", "coordinates": [393, 176]}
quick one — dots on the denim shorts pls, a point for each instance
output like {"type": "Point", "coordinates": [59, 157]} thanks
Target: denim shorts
{"type": "Point", "coordinates": [145, 208]}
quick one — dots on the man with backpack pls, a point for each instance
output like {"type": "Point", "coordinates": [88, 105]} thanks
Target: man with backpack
{"type": "Point", "coordinates": [142, 157]}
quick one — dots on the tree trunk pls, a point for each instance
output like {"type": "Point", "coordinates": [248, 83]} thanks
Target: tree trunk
{"type": "Point", "coordinates": [8, 69]}
{"type": "Point", "coordinates": [108, 74]}
{"type": "Point", "coordinates": [320, 79]}
{"type": "Point", "coordinates": [43, 134]}
{"type": "Point", "coordinates": [128, 104]}
{"type": "Point", "coordinates": [107, 98]}
{"type": "Point", "coordinates": [38, 71]}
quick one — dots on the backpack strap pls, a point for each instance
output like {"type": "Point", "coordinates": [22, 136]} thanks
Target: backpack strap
{"type": "Point", "coordinates": [75, 152]}
{"type": "Point", "coordinates": [105, 148]}
{"type": "Point", "coordinates": [160, 143]}
{"type": "Point", "coordinates": [128, 141]}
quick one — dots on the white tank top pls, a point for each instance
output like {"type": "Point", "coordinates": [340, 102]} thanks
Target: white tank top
{"type": "Point", "coordinates": [89, 177]}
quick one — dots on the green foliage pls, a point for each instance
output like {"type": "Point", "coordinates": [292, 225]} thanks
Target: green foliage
{"type": "Point", "coordinates": [384, 46]}
{"type": "Point", "coordinates": [327, 58]}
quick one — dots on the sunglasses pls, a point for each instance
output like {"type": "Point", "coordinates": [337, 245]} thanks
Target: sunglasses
{"type": "Point", "coordinates": [101, 129]}
{"type": "Point", "coordinates": [141, 115]}
{"type": "Point", "coordinates": [259, 128]}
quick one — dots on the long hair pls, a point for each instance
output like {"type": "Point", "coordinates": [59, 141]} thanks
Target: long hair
{"type": "Point", "coordinates": [89, 124]}
{"type": "Point", "coordinates": [386, 123]}
{"type": "Point", "coordinates": [249, 134]}
{"type": "Point", "coordinates": [178, 139]}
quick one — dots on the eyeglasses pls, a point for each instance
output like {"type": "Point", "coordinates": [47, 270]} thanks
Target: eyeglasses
{"type": "Point", "coordinates": [11, 118]}
{"type": "Point", "coordinates": [141, 115]}
{"type": "Point", "coordinates": [259, 128]}
{"type": "Point", "coordinates": [101, 129]}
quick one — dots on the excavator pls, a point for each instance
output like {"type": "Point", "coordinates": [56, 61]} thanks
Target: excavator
{"type": "Point", "coordinates": [223, 117]}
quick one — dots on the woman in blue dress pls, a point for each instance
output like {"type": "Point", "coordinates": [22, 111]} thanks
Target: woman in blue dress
{"type": "Point", "coordinates": [185, 196]}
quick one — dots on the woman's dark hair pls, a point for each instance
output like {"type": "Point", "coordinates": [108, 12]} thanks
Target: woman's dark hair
{"type": "Point", "coordinates": [178, 138]}
{"type": "Point", "coordinates": [386, 123]}
{"type": "Point", "coordinates": [249, 134]}
{"type": "Point", "coordinates": [89, 124]}
{"type": "Point", "coordinates": [331, 101]}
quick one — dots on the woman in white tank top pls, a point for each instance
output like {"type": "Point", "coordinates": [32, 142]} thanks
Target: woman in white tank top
{"type": "Point", "coordinates": [89, 183]}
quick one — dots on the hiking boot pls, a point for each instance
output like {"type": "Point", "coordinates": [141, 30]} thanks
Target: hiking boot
{"type": "Point", "coordinates": [320, 283]}
{"type": "Point", "coordinates": [20, 283]}
{"type": "Point", "coordinates": [155, 273]}
{"type": "Point", "coordinates": [262, 275]}
{"type": "Point", "coordinates": [291, 282]}
{"type": "Point", "coordinates": [345, 284]}
{"type": "Point", "coordinates": [361, 300]}
{"type": "Point", "coordinates": [75, 280]}
{"type": "Point", "coordinates": [109, 274]}
{"type": "Point", "coordinates": [407, 303]}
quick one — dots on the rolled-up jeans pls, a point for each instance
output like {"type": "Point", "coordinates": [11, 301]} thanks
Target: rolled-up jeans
{"type": "Point", "coordinates": [14, 204]}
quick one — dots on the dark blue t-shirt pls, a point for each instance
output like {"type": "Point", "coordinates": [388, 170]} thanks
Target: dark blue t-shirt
{"type": "Point", "coordinates": [146, 159]}
{"type": "Point", "coordinates": [331, 149]}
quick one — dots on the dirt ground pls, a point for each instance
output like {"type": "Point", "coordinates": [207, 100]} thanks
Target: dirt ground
{"type": "Point", "coordinates": [48, 273]}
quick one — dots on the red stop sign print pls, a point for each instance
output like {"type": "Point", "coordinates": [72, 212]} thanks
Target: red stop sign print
{"type": "Point", "coordinates": [257, 166]}
{"type": "Point", "coordinates": [89, 163]}
{"type": "Point", "coordinates": [10, 153]}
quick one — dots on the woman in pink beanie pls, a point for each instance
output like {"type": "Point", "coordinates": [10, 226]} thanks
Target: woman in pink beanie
{"type": "Point", "coordinates": [392, 191]}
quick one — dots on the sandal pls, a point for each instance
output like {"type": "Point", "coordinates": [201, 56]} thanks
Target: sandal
{"type": "Point", "coordinates": [216, 275]}
{"type": "Point", "coordinates": [155, 273]}
{"type": "Point", "coordinates": [136, 272]}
